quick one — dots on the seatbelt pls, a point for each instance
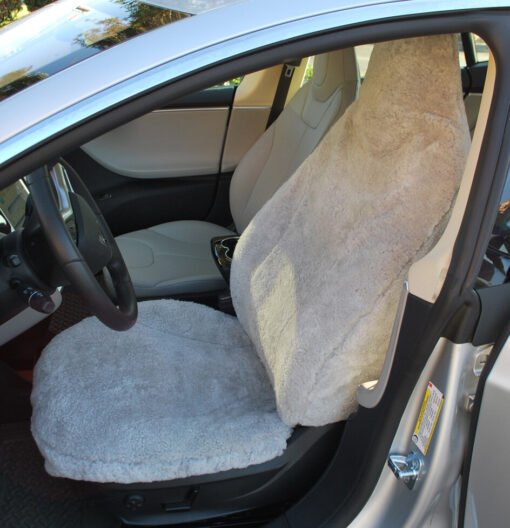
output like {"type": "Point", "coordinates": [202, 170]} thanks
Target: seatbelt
{"type": "Point", "coordinates": [282, 90]}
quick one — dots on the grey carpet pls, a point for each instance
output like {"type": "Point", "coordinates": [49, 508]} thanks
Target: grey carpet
{"type": "Point", "coordinates": [30, 498]}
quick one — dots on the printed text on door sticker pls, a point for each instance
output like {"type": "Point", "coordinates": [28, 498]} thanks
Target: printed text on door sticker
{"type": "Point", "coordinates": [429, 415]}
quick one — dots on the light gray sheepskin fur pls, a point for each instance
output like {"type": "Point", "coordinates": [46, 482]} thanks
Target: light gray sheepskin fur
{"type": "Point", "coordinates": [317, 274]}
{"type": "Point", "coordinates": [182, 393]}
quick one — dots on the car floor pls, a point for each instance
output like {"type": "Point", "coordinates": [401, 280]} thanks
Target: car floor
{"type": "Point", "coordinates": [30, 498]}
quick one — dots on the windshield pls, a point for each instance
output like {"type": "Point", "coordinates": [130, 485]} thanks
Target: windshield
{"type": "Point", "coordinates": [68, 31]}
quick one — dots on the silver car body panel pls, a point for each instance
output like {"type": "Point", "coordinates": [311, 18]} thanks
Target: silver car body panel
{"type": "Point", "coordinates": [66, 32]}
{"type": "Point", "coordinates": [148, 61]}
{"type": "Point", "coordinates": [191, 6]}
{"type": "Point", "coordinates": [487, 501]}
{"type": "Point", "coordinates": [451, 368]}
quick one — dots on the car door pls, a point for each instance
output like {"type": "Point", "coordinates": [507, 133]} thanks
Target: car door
{"type": "Point", "coordinates": [484, 498]}
{"type": "Point", "coordinates": [176, 162]}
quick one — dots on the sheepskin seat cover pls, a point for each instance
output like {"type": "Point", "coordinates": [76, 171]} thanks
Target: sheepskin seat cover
{"type": "Point", "coordinates": [317, 274]}
{"type": "Point", "coordinates": [182, 393]}
{"type": "Point", "coordinates": [315, 281]}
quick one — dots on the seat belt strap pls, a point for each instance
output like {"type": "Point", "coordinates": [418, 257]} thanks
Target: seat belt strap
{"type": "Point", "coordinates": [282, 90]}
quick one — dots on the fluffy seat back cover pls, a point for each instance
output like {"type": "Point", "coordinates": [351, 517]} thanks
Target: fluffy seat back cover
{"type": "Point", "coordinates": [317, 274]}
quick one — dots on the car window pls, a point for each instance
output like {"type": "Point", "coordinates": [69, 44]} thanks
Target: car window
{"type": "Point", "coordinates": [12, 206]}
{"type": "Point", "coordinates": [308, 71]}
{"type": "Point", "coordinates": [362, 56]}
{"type": "Point", "coordinates": [481, 49]}
{"type": "Point", "coordinates": [462, 54]}
{"type": "Point", "coordinates": [364, 52]}
{"type": "Point", "coordinates": [495, 268]}
{"type": "Point", "coordinates": [230, 83]}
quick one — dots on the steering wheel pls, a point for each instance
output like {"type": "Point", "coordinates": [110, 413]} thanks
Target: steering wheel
{"type": "Point", "coordinates": [82, 243]}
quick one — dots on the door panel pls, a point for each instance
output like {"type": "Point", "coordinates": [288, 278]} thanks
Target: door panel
{"type": "Point", "coordinates": [184, 138]}
{"type": "Point", "coordinates": [166, 143]}
{"type": "Point", "coordinates": [250, 111]}
{"type": "Point", "coordinates": [163, 166]}
{"type": "Point", "coordinates": [247, 124]}
{"type": "Point", "coordinates": [129, 204]}
{"type": "Point", "coordinates": [211, 97]}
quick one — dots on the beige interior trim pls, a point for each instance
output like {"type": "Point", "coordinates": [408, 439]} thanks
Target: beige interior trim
{"type": "Point", "coordinates": [297, 79]}
{"type": "Point", "coordinates": [247, 124]}
{"type": "Point", "coordinates": [164, 144]}
{"type": "Point", "coordinates": [258, 88]}
{"type": "Point", "coordinates": [250, 111]}
{"type": "Point", "coordinates": [426, 277]}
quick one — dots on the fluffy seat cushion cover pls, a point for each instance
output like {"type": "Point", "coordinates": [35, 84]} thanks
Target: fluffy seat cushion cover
{"type": "Point", "coordinates": [182, 393]}
{"type": "Point", "coordinates": [317, 274]}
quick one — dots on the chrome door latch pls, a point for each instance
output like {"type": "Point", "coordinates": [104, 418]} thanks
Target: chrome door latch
{"type": "Point", "coordinates": [407, 468]}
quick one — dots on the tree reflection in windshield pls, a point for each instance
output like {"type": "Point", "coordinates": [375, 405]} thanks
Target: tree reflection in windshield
{"type": "Point", "coordinates": [79, 32]}
{"type": "Point", "coordinates": [19, 83]}
{"type": "Point", "coordinates": [141, 18]}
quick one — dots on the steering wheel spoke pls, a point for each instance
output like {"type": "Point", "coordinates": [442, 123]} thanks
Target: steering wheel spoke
{"type": "Point", "coordinates": [61, 200]}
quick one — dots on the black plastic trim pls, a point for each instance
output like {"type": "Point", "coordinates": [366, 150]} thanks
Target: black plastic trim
{"type": "Point", "coordinates": [469, 49]}
{"type": "Point", "coordinates": [494, 313]}
{"type": "Point", "coordinates": [462, 325]}
{"type": "Point", "coordinates": [193, 499]}
{"type": "Point", "coordinates": [208, 98]}
{"type": "Point", "coordinates": [473, 78]}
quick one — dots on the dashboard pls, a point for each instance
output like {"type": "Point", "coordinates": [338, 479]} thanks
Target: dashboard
{"type": "Point", "coordinates": [16, 312]}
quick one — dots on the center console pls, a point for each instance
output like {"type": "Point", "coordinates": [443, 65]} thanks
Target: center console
{"type": "Point", "coordinates": [223, 251]}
